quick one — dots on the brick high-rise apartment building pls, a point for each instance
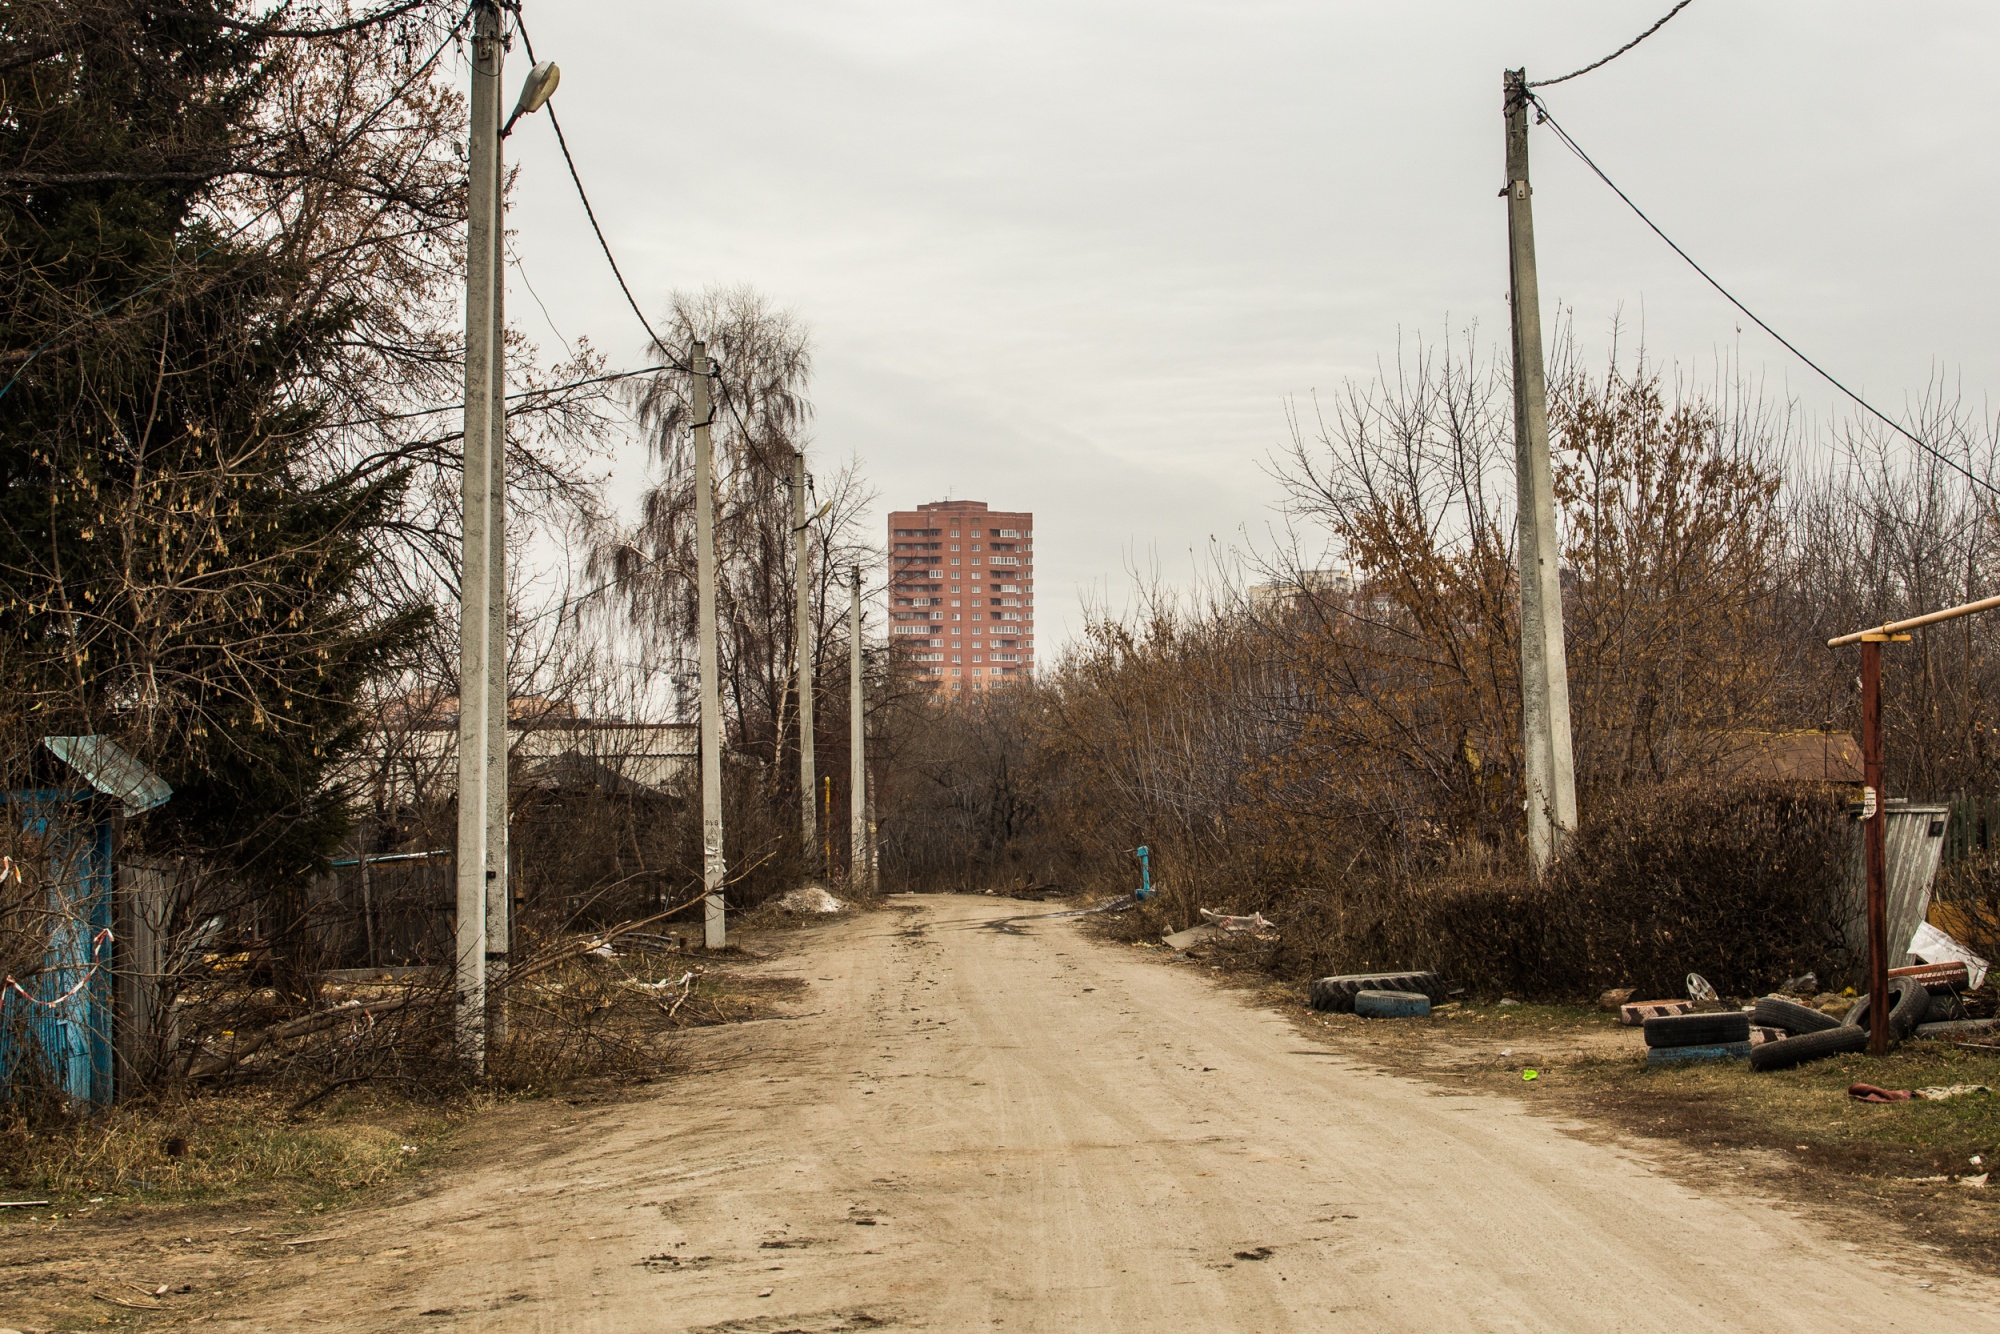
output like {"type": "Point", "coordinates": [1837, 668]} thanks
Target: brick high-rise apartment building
{"type": "Point", "coordinates": [962, 592]}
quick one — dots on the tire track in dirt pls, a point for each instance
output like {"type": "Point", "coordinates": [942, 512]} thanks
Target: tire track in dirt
{"type": "Point", "coordinates": [1023, 1129]}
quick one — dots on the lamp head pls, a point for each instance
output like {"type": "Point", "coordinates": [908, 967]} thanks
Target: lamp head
{"type": "Point", "coordinates": [538, 88]}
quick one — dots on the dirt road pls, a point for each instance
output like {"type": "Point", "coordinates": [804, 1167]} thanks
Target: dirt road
{"type": "Point", "coordinates": [975, 1128]}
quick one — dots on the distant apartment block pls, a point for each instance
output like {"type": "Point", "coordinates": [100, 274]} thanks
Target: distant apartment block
{"type": "Point", "coordinates": [962, 593]}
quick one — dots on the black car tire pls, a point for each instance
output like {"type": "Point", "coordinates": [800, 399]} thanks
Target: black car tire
{"type": "Point", "coordinates": [1788, 1052]}
{"type": "Point", "coordinates": [1698, 1030]}
{"type": "Point", "coordinates": [1906, 1010]}
{"type": "Point", "coordinates": [1794, 1018]}
{"type": "Point", "coordinates": [1337, 993]}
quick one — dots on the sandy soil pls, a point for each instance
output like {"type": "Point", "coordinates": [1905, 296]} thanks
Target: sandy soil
{"type": "Point", "coordinates": [982, 1125]}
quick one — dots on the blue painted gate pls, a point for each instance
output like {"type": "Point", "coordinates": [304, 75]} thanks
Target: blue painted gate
{"type": "Point", "coordinates": [60, 1016]}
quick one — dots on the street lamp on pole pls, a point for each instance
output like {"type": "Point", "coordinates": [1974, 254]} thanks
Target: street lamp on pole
{"type": "Point", "coordinates": [483, 898]}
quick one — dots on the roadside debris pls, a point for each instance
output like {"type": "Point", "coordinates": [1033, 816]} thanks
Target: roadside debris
{"type": "Point", "coordinates": [1614, 999]}
{"type": "Point", "coordinates": [1337, 993]}
{"type": "Point", "coordinates": [810, 901]}
{"type": "Point", "coordinates": [1816, 1034]}
{"type": "Point", "coordinates": [1723, 1051]}
{"type": "Point", "coordinates": [1392, 1004]}
{"type": "Point", "coordinates": [1634, 1013]}
{"type": "Point", "coordinates": [1216, 925]}
{"type": "Point", "coordinates": [1194, 935]}
{"type": "Point", "coordinates": [1673, 1039]}
{"type": "Point", "coordinates": [1875, 1093]}
{"type": "Point", "coordinates": [1931, 945]}
{"type": "Point", "coordinates": [1255, 922]}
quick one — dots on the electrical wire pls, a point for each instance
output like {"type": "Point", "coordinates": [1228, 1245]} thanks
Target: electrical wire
{"type": "Point", "coordinates": [576, 178]}
{"type": "Point", "coordinates": [524, 393]}
{"type": "Point", "coordinates": [1789, 346]}
{"type": "Point", "coordinates": [1599, 64]}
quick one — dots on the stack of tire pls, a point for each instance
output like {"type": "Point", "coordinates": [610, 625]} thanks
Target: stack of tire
{"type": "Point", "coordinates": [1815, 1035]}
{"type": "Point", "coordinates": [1338, 993]}
{"type": "Point", "coordinates": [1720, 1036]}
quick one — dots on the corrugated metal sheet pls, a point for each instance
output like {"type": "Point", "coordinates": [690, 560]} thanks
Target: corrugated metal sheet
{"type": "Point", "coordinates": [1914, 844]}
{"type": "Point", "coordinates": [112, 770]}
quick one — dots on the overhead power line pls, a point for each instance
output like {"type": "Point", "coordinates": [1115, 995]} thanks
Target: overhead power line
{"type": "Point", "coordinates": [1753, 316]}
{"type": "Point", "coordinates": [577, 179]}
{"type": "Point", "coordinates": [1599, 64]}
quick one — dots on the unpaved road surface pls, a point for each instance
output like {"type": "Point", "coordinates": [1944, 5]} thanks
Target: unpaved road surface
{"type": "Point", "coordinates": [974, 1128]}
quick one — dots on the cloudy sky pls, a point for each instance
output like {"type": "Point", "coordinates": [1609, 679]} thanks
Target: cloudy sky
{"type": "Point", "coordinates": [1076, 256]}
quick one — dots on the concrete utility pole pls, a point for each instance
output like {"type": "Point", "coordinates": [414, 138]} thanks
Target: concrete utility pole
{"type": "Point", "coordinates": [477, 593]}
{"type": "Point", "coordinates": [803, 638]}
{"type": "Point", "coordinates": [857, 734]}
{"type": "Point", "coordinates": [713, 868]}
{"type": "Point", "coordinates": [1551, 771]}
{"type": "Point", "coordinates": [499, 897]}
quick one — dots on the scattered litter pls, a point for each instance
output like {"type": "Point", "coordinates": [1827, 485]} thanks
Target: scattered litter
{"type": "Point", "coordinates": [1505, 1001]}
{"type": "Point", "coordinates": [22, 1204]}
{"type": "Point", "coordinates": [1194, 935]}
{"type": "Point", "coordinates": [599, 949]}
{"type": "Point", "coordinates": [810, 901]}
{"type": "Point", "coordinates": [1951, 1027]}
{"type": "Point", "coordinates": [1805, 985]}
{"type": "Point", "coordinates": [1977, 1183]}
{"type": "Point", "coordinates": [1255, 922]}
{"type": "Point", "coordinates": [1721, 1051]}
{"type": "Point", "coordinates": [1930, 945]}
{"type": "Point", "coordinates": [1530, 1076]}
{"type": "Point", "coordinates": [1392, 1004]}
{"type": "Point", "coordinates": [1634, 1013]}
{"type": "Point", "coordinates": [1939, 979]}
{"type": "Point", "coordinates": [1941, 1093]}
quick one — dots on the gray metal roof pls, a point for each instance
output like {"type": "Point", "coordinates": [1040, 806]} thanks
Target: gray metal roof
{"type": "Point", "coordinates": [112, 770]}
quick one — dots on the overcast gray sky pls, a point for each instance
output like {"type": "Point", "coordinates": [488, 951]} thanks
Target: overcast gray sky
{"type": "Point", "coordinates": [1074, 257]}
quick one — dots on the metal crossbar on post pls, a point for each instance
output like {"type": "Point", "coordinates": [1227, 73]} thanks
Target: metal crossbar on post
{"type": "Point", "coordinates": [1875, 805]}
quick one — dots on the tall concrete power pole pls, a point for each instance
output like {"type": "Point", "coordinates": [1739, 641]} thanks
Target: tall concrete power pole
{"type": "Point", "coordinates": [499, 898]}
{"type": "Point", "coordinates": [482, 516]}
{"type": "Point", "coordinates": [714, 870]}
{"type": "Point", "coordinates": [802, 636]}
{"type": "Point", "coordinates": [1551, 771]}
{"type": "Point", "coordinates": [857, 740]}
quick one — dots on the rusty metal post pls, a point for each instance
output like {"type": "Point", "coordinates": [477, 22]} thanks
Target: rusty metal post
{"type": "Point", "coordinates": [1874, 828]}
